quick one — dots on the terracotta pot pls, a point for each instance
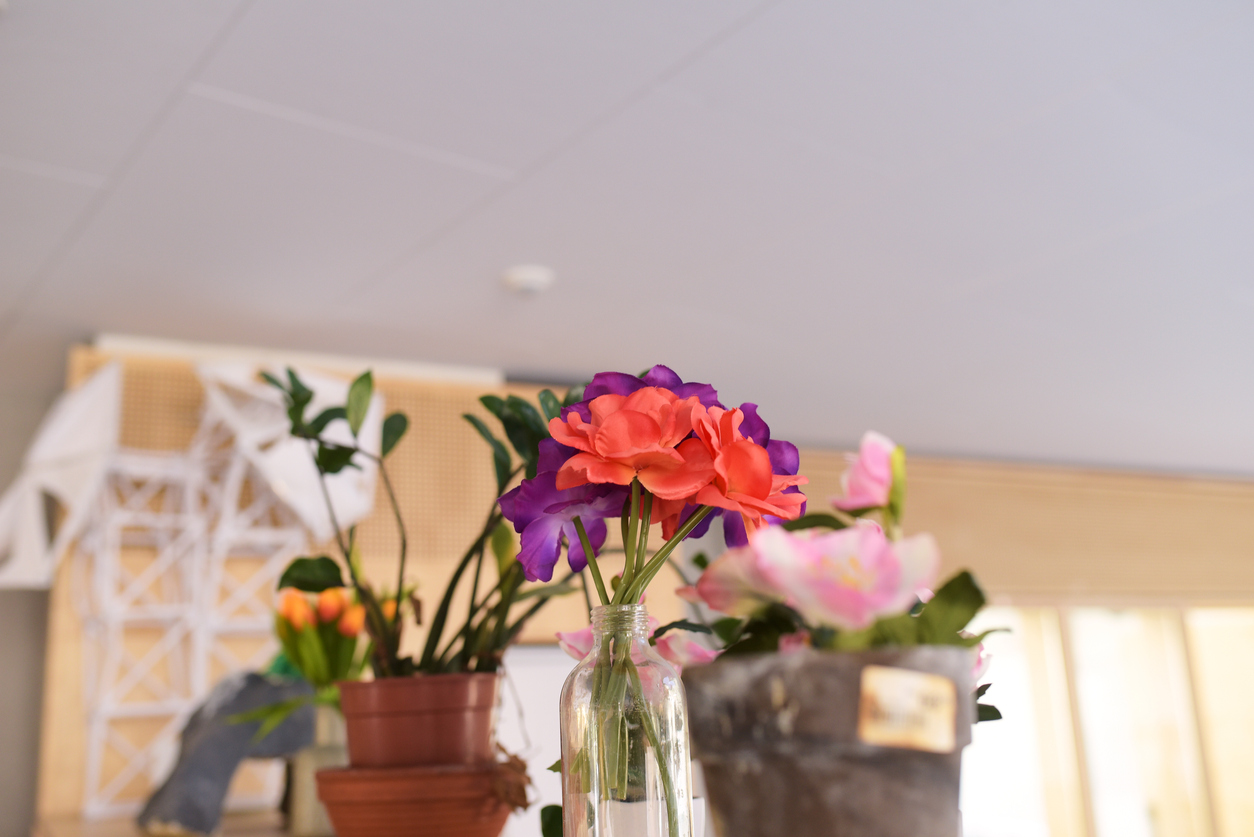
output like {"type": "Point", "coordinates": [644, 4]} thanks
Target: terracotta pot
{"type": "Point", "coordinates": [816, 744]}
{"type": "Point", "coordinates": [417, 801]}
{"type": "Point", "coordinates": [431, 719]}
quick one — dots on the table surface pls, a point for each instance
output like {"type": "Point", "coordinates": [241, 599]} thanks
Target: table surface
{"type": "Point", "coordinates": [255, 824]}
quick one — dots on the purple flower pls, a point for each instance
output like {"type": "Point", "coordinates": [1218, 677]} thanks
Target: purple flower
{"type": "Point", "coordinates": [544, 516]}
{"type": "Point", "coordinates": [620, 383]}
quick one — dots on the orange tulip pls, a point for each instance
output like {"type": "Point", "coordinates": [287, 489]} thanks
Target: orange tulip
{"type": "Point", "coordinates": [642, 435]}
{"type": "Point", "coordinates": [331, 603]}
{"type": "Point", "coordinates": [353, 620]}
{"type": "Point", "coordinates": [295, 608]}
{"type": "Point", "coordinates": [389, 609]}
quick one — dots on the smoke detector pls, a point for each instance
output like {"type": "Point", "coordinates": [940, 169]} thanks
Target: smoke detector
{"type": "Point", "coordinates": [529, 278]}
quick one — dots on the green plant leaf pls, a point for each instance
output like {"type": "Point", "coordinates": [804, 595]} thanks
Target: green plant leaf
{"type": "Point", "coordinates": [394, 427]}
{"type": "Point", "coordinates": [324, 418]}
{"type": "Point", "coordinates": [812, 521]}
{"type": "Point", "coordinates": [551, 821]}
{"type": "Point", "coordinates": [548, 591]}
{"type": "Point", "coordinates": [728, 629]}
{"type": "Point", "coordinates": [525, 429]}
{"type": "Point", "coordinates": [573, 395]}
{"type": "Point", "coordinates": [986, 712]}
{"type": "Point", "coordinates": [950, 610]}
{"type": "Point", "coordinates": [359, 394]}
{"type": "Point", "coordinates": [679, 625]}
{"type": "Point", "coordinates": [555, 767]}
{"type": "Point", "coordinates": [494, 404]}
{"type": "Point", "coordinates": [500, 456]}
{"type": "Point", "coordinates": [549, 404]}
{"type": "Point", "coordinates": [274, 382]}
{"type": "Point", "coordinates": [332, 459]}
{"type": "Point", "coordinates": [504, 547]}
{"type": "Point", "coordinates": [896, 630]}
{"type": "Point", "coordinates": [312, 575]}
{"type": "Point", "coordinates": [298, 398]}
{"type": "Point", "coordinates": [979, 693]}
{"type": "Point", "coordinates": [701, 560]}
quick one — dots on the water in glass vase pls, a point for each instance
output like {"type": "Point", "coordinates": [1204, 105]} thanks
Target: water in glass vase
{"type": "Point", "coordinates": [625, 755]}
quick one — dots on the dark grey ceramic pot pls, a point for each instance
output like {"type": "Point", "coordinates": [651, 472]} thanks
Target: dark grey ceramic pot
{"type": "Point", "coordinates": [783, 742]}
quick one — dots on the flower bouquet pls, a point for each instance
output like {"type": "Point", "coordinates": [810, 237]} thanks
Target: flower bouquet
{"type": "Point", "coordinates": [649, 450]}
{"type": "Point", "coordinates": [846, 688]}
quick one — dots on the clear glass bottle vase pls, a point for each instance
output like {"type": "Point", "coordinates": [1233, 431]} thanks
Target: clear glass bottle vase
{"type": "Point", "coordinates": [625, 753]}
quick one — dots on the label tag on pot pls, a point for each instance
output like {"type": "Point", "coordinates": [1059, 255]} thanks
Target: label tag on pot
{"type": "Point", "coordinates": [907, 709]}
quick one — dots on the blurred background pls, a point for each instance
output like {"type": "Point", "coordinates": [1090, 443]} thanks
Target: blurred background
{"type": "Point", "coordinates": [1014, 237]}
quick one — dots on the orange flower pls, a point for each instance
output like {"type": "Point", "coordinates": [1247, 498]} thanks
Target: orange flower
{"type": "Point", "coordinates": [294, 607]}
{"type": "Point", "coordinates": [743, 478]}
{"type": "Point", "coordinates": [353, 620]}
{"type": "Point", "coordinates": [389, 609]}
{"type": "Point", "coordinates": [643, 435]}
{"type": "Point", "coordinates": [331, 603]}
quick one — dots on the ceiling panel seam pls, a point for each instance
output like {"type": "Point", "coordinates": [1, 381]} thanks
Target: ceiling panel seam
{"type": "Point", "coordinates": [31, 288]}
{"type": "Point", "coordinates": [47, 171]}
{"type": "Point", "coordinates": [558, 150]}
{"type": "Point", "coordinates": [349, 131]}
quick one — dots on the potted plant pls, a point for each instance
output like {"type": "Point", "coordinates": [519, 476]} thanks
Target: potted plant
{"type": "Point", "coordinates": [645, 450]}
{"type": "Point", "coordinates": [423, 727]}
{"type": "Point", "coordinates": [845, 694]}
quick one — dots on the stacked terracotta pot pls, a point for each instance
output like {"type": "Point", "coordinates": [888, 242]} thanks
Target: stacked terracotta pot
{"type": "Point", "coordinates": [421, 759]}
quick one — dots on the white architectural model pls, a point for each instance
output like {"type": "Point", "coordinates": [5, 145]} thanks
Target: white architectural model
{"type": "Point", "coordinates": [177, 558]}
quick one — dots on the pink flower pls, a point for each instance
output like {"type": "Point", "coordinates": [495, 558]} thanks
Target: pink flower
{"type": "Point", "coordinates": [577, 644]}
{"type": "Point", "coordinates": [869, 480]}
{"type": "Point", "coordinates": [734, 584]}
{"type": "Point", "coordinates": [847, 578]}
{"type": "Point", "coordinates": [680, 650]}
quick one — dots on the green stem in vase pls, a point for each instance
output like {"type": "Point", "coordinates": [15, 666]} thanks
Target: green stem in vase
{"type": "Point", "coordinates": [592, 560]}
{"type": "Point", "coordinates": [650, 732]}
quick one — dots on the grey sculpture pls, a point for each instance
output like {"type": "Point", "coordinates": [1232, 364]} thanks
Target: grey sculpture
{"type": "Point", "coordinates": [212, 747]}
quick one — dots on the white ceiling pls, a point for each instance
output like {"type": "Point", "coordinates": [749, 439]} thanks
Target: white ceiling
{"type": "Point", "coordinates": [1005, 230]}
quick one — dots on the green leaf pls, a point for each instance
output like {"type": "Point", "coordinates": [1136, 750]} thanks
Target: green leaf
{"type": "Point", "coordinates": [549, 404]}
{"type": "Point", "coordinates": [950, 610]}
{"type": "Point", "coordinates": [679, 625]}
{"type": "Point", "coordinates": [500, 456]}
{"type": "Point", "coordinates": [359, 401]}
{"type": "Point", "coordinates": [555, 767]}
{"type": "Point", "coordinates": [897, 491]}
{"type": "Point", "coordinates": [728, 629]}
{"type": "Point", "coordinates": [312, 575]}
{"type": "Point", "coordinates": [551, 821]}
{"type": "Point", "coordinates": [573, 395]}
{"type": "Point", "coordinates": [986, 712]}
{"type": "Point", "coordinates": [274, 382]}
{"type": "Point", "coordinates": [897, 630]}
{"type": "Point", "coordinates": [525, 430]}
{"type": "Point", "coordinates": [494, 404]}
{"type": "Point", "coordinates": [700, 560]}
{"type": "Point", "coordinates": [812, 521]}
{"type": "Point", "coordinates": [324, 418]}
{"type": "Point", "coordinates": [548, 591]}
{"type": "Point", "coordinates": [298, 398]}
{"type": "Point", "coordinates": [332, 459]}
{"type": "Point", "coordinates": [394, 427]}
{"type": "Point", "coordinates": [504, 547]}
{"type": "Point", "coordinates": [979, 693]}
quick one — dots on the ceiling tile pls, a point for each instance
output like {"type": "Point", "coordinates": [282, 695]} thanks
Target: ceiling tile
{"type": "Point", "coordinates": [499, 82]}
{"type": "Point", "coordinates": [234, 223]}
{"type": "Point", "coordinates": [80, 82]}
{"type": "Point", "coordinates": [35, 213]}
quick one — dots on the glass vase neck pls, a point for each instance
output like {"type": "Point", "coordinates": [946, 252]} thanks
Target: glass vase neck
{"type": "Point", "coordinates": [621, 618]}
